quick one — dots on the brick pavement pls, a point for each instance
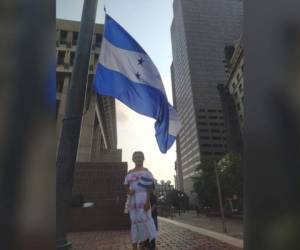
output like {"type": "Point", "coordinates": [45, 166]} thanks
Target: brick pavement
{"type": "Point", "coordinates": [170, 237]}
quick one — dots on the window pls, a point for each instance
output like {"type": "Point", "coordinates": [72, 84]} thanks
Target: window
{"type": "Point", "coordinates": [72, 58]}
{"type": "Point", "coordinates": [216, 138]}
{"type": "Point", "coordinates": [213, 117]}
{"type": "Point", "coordinates": [204, 137]}
{"type": "Point", "coordinates": [75, 38]}
{"type": "Point", "coordinates": [61, 57]}
{"type": "Point", "coordinates": [96, 58]}
{"type": "Point", "coordinates": [215, 130]}
{"type": "Point", "coordinates": [218, 153]}
{"type": "Point", "coordinates": [60, 84]}
{"type": "Point", "coordinates": [206, 153]}
{"type": "Point", "coordinates": [202, 116]}
{"type": "Point", "coordinates": [206, 145]}
{"type": "Point", "coordinates": [63, 37]}
{"type": "Point", "coordinates": [203, 123]}
{"type": "Point", "coordinates": [211, 110]}
{"type": "Point", "coordinates": [218, 145]}
{"type": "Point", "coordinates": [203, 130]}
{"type": "Point", "coordinates": [201, 110]}
{"type": "Point", "coordinates": [98, 40]}
{"type": "Point", "coordinates": [213, 123]}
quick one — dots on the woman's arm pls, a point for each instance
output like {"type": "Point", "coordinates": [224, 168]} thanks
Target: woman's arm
{"type": "Point", "coordinates": [128, 190]}
{"type": "Point", "coordinates": [147, 204]}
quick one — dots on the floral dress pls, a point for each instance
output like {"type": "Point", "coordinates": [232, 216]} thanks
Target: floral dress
{"type": "Point", "coordinates": [142, 224]}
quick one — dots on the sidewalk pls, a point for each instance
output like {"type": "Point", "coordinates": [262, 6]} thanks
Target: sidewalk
{"type": "Point", "coordinates": [234, 226]}
{"type": "Point", "coordinates": [171, 237]}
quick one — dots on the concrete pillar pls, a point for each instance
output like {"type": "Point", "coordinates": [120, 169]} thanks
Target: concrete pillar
{"type": "Point", "coordinates": [91, 63]}
{"type": "Point", "coordinates": [69, 36]}
{"type": "Point", "coordinates": [67, 57]}
{"type": "Point", "coordinates": [62, 106]}
{"type": "Point", "coordinates": [58, 36]}
{"type": "Point", "coordinates": [87, 130]}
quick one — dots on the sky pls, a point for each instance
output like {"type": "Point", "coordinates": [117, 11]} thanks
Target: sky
{"type": "Point", "coordinates": [148, 21]}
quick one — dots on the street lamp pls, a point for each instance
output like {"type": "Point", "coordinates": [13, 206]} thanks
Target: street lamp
{"type": "Point", "coordinates": [180, 196]}
{"type": "Point", "coordinates": [220, 197]}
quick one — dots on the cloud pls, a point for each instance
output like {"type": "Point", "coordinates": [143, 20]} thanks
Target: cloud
{"type": "Point", "coordinates": [122, 113]}
{"type": "Point", "coordinates": [136, 132]}
{"type": "Point", "coordinates": [168, 87]}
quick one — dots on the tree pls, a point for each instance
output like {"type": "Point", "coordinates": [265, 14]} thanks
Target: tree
{"type": "Point", "coordinates": [205, 184]}
{"type": "Point", "coordinates": [230, 175]}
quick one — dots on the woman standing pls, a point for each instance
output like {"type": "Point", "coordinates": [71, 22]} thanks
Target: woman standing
{"type": "Point", "coordinates": [138, 183]}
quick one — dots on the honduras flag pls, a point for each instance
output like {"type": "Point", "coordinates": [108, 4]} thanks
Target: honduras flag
{"type": "Point", "coordinates": [126, 72]}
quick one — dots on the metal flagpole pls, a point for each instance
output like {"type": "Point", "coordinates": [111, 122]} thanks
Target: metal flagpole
{"type": "Point", "coordinates": [68, 144]}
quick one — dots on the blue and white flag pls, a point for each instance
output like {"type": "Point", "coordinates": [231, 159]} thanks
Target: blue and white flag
{"type": "Point", "coordinates": [126, 72]}
{"type": "Point", "coordinates": [145, 182]}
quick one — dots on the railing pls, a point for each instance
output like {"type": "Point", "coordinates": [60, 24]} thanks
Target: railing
{"type": "Point", "coordinates": [167, 211]}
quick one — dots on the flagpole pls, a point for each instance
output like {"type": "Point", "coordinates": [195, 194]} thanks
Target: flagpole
{"type": "Point", "coordinates": [69, 139]}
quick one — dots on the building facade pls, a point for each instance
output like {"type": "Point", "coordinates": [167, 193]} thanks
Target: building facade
{"type": "Point", "coordinates": [199, 32]}
{"type": "Point", "coordinates": [232, 96]}
{"type": "Point", "coordinates": [98, 136]}
{"type": "Point", "coordinates": [178, 169]}
{"type": "Point", "coordinates": [235, 83]}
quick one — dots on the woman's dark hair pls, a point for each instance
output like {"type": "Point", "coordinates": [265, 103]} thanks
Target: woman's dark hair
{"type": "Point", "coordinates": [137, 153]}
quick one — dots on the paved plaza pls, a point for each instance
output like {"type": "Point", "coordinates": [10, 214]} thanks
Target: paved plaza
{"type": "Point", "coordinates": [171, 237]}
{"type": "Point", "coordinates": [234, 225]}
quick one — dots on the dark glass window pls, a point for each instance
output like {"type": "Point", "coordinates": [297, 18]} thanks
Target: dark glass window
{"type": "Point", "coordinates": [98, 40]}
{"type": "Point", "coordinates": [63, 37]}
{"type": "Point", "coordinates": [61, 57]}
{"type": "Point", "coordinates": [75, 38]}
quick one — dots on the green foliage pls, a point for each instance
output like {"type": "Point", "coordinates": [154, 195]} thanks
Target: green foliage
{"type": "Point", "coordinates": [205, 184]}
{"type": "Point", "coordinates": [230, 176]}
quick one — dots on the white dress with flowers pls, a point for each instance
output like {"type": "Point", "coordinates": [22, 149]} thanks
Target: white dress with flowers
{"type": "Point", "coordinates": [142, 224]}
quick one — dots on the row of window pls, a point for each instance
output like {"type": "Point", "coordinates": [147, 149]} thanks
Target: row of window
{"type": "Point", "coordinates": [210, 110]}
{"type": "Point", "coordinates": [211, 153]}
{"type": "Point", "coordinates": [213, 145]}
{"type": "Point", "coordinates": [211, 123]}
{"type": "Point", "coordinates": [64, 39]}
{"type": "Point", "coordinates": [212, 130]}
{"type": "Point", "coordinates": [213, 138]}
{"type": "Point", "coordinates": [210, 117]}
{"type": "Point", "coordinates": [61, 58]}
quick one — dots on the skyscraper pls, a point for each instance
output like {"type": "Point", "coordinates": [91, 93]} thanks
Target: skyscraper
{"type": "Point", "coordinates": [200, 31]}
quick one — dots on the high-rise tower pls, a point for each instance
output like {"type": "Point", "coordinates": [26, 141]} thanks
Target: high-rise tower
{"type": "Point", "coordinates": [200, 31]}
